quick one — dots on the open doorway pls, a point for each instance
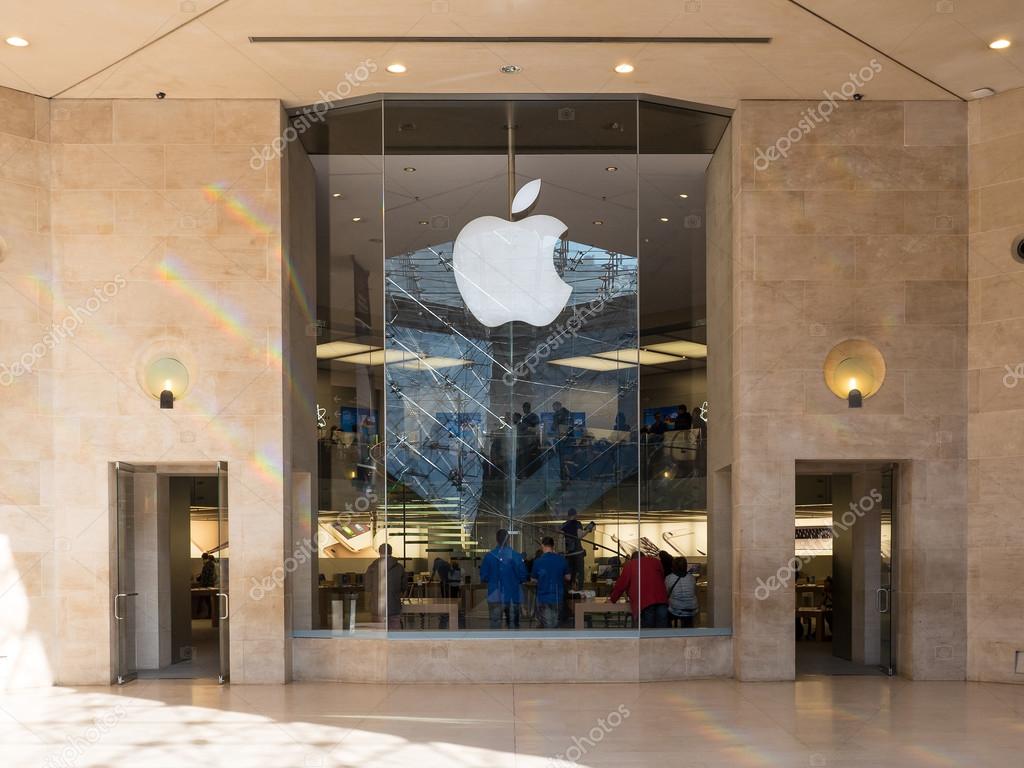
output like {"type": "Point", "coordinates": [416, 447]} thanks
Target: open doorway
{"type": "Point", "coordinates": [843, 561]}
{"type": "Point", "coordinates": [170, 607]}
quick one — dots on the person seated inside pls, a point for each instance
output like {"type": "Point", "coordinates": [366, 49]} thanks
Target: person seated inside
{"type": "Point", "coordinates": [682, 594]}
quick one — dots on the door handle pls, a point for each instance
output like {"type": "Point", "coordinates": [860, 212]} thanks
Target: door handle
{"type": "Point", "coordinates": [121, 594]}
{"type": "Point", "coordinates": [879, 594]}
{"type": "Point", "coordinates": [225, 614]}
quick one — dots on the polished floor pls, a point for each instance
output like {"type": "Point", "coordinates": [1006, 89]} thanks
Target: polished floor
{"type": "Point", "coordinates": [815, 658]}
{"type": "Point", "coordinates": [205, 661]}
{"type": "Point", "coordinates": [829, 722]}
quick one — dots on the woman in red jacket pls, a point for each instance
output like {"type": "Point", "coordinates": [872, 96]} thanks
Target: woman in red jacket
{"type": "Point", "coordinates": [644, 581]}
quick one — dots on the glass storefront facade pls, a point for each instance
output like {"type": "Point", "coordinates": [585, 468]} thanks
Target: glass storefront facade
{"type": "Point", "coordinates": [511, 386]}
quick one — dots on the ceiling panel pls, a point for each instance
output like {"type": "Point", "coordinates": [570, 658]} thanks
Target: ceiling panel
{"type": "Point", "coordinates": [947, 40]}
{"type": "Point", "coordinates": [201, 48]}
{"type": "Point", "coordinates": [70, 41]}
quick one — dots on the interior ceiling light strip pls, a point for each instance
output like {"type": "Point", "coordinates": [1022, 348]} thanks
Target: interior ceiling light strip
{"type": "Point", "coordinates": [502, 39]}
{"type": "Point", "coordinates": [640, 357]}
{"type": "Point", "coordinates": [333, 349]}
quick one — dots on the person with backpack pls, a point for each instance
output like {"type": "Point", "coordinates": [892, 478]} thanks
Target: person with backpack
{"type": "Point", "coordinates": [682, 594]}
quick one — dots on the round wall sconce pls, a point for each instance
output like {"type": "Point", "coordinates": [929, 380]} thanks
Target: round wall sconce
{"type": "Point", "coordinates": [854, 370]}
{"type": "Point", "coordinates": [166, 378]}
{"type": "Point", "coordinates": [1017, 250]}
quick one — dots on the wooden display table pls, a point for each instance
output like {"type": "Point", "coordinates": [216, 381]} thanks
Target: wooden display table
{"type": "Point", "coordinates": [412, 605]}
{"type": "Point", "coordinates": [598, 605]}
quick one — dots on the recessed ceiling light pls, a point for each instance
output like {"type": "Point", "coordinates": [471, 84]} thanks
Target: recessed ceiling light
{"type": "Point", "coordinates": [427, 363]}
{"type": "Point", "coordinates": [357, 219]}
{"type": "Point", "coordinates": [336, 194]}
{"type": "Point", "coordinates": [598, 222]}
{"type": "Point", "coordinates": [639, 357]}
{"type": "Point", "coordinates": [612, 168]}
{"type": "Point", "coordinates": [17, 42]}
{"type": "Point", "coordinates": [409, 169]}
{"type": "Point", "coordinates": [998, 45]}
{"type": "Point", "coordinates": [683, 196]}
{"type": "Point", "coordinates": [396, 69]}
{"type": "Point", "coordinates": [680, 348]}
{"type": "Point", "coordinates": [332, 349]}
{"type": "Point", "coordinates": [663, 218]}
{"type": "Point", "coordinates": [423, 222]}
{"type": "Point", "coordinates": [624, 69]}
{"type": "Point", "coordinates": [590, 363]}
{"type": "Point", "coordinates": [511, 69]}
{"type": "Point", "coordinates": [380, 357]}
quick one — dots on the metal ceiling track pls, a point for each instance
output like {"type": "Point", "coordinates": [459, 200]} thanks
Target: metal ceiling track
{"type": "Point", "coordinates": [467, 39]}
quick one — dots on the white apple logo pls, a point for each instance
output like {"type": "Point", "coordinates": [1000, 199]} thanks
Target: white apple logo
{"type": "Point", "coordinates": [505, 269]}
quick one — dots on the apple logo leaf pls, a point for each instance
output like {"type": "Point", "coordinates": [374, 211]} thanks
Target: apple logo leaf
{"type": "Point", "coordinates": [526, 196]}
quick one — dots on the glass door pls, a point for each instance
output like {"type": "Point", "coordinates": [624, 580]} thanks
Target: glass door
{"type": "Point", "coordinates": [124, 597]}
{"type": "Point", "coordinates": [884, 594]}
{"type": "Point", "coordinates": [221, 555]}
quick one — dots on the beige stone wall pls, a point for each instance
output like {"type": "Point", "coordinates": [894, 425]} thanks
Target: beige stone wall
{"type": "Point", "coordinates": [142, 223]}
{"type": "Point", "coordinates": [995, 534]}
{"type": "Point", "coordinates": [27, 539]}
{"type": "Point", "coordinates": [720, 236]}
{"type": "Point", "coordinates": [719, 189]}
{"type": "Point", "coordinates": [861, 231]}
{"type": "Point", "coordinates": [163, 238]}
{"type": "Point", "coordinates": [505, 660]}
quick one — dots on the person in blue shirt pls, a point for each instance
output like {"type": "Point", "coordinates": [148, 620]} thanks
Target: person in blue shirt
{"type": "Point", "coordinates": [551, 571]}
{"type": "Point", "coordinates": [504, 572]}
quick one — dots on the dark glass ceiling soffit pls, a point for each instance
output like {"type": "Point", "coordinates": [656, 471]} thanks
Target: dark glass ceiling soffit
{"type": "Point", "coordinates": [461, 125]}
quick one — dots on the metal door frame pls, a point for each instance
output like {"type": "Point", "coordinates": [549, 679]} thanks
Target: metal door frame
{"type": "Point", "coordinates": [118, 596]}
{"type": "Point", "coordinates": [122, 633]}
{"type": "Point", "coordinates": [223, 595]}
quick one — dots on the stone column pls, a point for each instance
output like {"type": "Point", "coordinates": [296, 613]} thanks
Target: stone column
{"type": "Point", "coordinates": [866, 494]}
